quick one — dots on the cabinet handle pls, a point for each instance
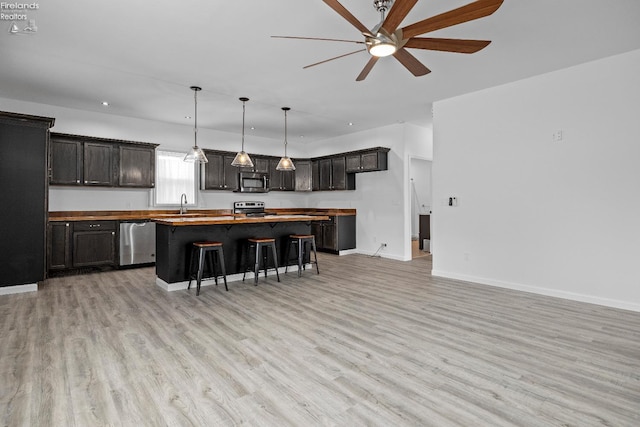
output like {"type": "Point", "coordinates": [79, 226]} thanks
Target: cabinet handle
{"type": "Point", "coordinates": [113, 233]}
{"type": "Point", "coordinates": [77, 181]}
{"type": "Point", "coordinates": [67, 224]}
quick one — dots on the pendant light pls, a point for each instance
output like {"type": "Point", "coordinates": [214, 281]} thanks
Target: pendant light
{"type": "Point", "coordinates": [196, 154]}
{"type": "Point", "coordinates": [285, 163]}
{"type": "Point", "coordinates": [242, 159]}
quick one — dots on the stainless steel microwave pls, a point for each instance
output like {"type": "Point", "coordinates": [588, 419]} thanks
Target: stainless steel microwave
{"type": "Point", "coordinates": [253, 182]}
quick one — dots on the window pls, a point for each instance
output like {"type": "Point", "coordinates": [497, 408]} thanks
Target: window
{"type": "Point", "coordinates": [174, 177]}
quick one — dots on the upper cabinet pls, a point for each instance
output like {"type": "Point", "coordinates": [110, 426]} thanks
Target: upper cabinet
{"type": "Point", "coordinates": [371, 160]}
{"type": "Point", "coordinates": [280, 180]}
{"type": "Point", "coordinates": [327, 173]}
{"type": "Point", "coordinates": [217, 173]}
{"type": "Point", "coordinates": [90, 161]}
{"type": "Point", "coordinates": [137, 166]}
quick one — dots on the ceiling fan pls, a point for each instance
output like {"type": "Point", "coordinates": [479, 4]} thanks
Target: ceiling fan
{"type": "Point", "coordinates": [387, 39]}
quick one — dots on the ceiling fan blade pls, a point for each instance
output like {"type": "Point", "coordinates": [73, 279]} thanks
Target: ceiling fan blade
{"type": "Point", "coordinates": [365, 71]}
{"type": "Point", "coordinates": [335, 5]}
{"type": "Point", "coordinates": [398, 12]}
{"type": "Point", "coordinates": [475, 10]}
{"type": "Point", "coordinates": [411, 63]}
{"type": "Point", "coordinates": [317, 38]}
{"type": "Point", "coordinates": [447, 45]}
{"type": "Point", "coordinates": [335, 57]}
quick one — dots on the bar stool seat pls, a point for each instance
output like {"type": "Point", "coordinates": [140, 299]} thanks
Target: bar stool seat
{"type": "Point", "coordinates": [261, 245]}
{"type": "Point", "coordinates": [300, 241]}
{"type": "Point", "coordinates": [202, 249]}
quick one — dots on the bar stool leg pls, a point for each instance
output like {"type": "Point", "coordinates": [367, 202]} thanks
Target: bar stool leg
{"type": "Point", "coordinates": [275, 259]}
{"type": "Point", "coordinates": [315, 254]}
{"type": "Point", "coordinates": [286, 256]}
{"type": "Point", "coordinates": [201, 256]}
{"type": "Point", "coordinates": [256, 267]}
{"type": "Point", "coordinates": [222, 269]}
{"type": "Point", "coordinates": [191, 267]}
{"type": "Point", "coordinates": [300, 253]}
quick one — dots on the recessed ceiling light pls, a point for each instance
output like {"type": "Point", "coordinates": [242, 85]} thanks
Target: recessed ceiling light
{"type": "Point", "coordinates": [253, 128]}
{"type": "Point", "coordinates": [105, 103]}
{"type": "Point", "coordinates": [350, 123]}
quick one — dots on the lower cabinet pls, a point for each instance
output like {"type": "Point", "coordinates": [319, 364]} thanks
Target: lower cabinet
{"type": "Point", "coordinates": [82, 244]}
{"type": "Point", "coordinates": [59, 246]}
{"type": "Point", "coordinates": [335, 235]}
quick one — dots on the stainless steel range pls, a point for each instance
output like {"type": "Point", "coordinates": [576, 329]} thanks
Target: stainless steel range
{"type": "Point", "coordinates": [249, 208]}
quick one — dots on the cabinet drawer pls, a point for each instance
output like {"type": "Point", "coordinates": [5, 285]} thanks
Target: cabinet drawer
{"type": "Point", "coordinates": [94, 225]}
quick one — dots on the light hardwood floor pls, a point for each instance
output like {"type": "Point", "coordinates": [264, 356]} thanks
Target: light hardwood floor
{"type": "Point", "coordinates": [369, 341]}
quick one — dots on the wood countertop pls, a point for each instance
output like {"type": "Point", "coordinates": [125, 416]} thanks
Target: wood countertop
{"type": "Point", "coordinates": [161, 215]}
{"type": "Point", "coordinates": [231, 220]}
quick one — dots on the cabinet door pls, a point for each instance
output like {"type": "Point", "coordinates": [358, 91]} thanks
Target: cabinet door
{"type": "Point", "coordinates": [353, 163]}
{"type": "Point", "coordinates": [330, 236]}
{"type": "Point", "coordinates": [303, 176]}
{"type": "Point", "coordinates": [230, 173]}
{"type": "Point", "coordinates": [137, 166]}
{"type": "Point", "coordinates": [324, 174]}
{"type": "Point", "coordinates": [212, 173]}
{"type": "Point", "coordinates": [261, 164]}
{"type": "Point", "coordinates": [275, 176]}
{"type": "Point", "coordinates": [65, 162]}
{"type": "Point", "coordinates": [288, 180]}
{"type": "Point", "coordinates": [369, 161]}
{"type": "Point", "coordinates": [315, 175]}
{"type": "Point", "coordinates": [316, 230]}
{"type": "Point", "coordinates": [94, 243]}
{"type": "Point", "coordinates": [338, 173]}
{"type": "Point", "coordinates": [98, 164]}
{"type": "Point", "coordinates": [59, 246]}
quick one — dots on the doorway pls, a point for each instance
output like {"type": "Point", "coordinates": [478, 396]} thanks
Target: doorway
{"type": "Point", "coordinates": [420, 190]}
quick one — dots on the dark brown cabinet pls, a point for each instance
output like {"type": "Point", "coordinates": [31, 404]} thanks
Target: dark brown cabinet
{"type": "Point", "coordinates": [92, 161]}
{"type": "Point", "coordinates": [260, 165]}
{"type": "Point", "coordinates": [303, 175]}
{"type": "Point", "coordinates": [280, 180]}
{"type": "Point", "coordinates": [367, 160]}
{"type": "Point", "coordinates": [332, 175]}
{"type": "Point", "coordinates": [335, 235]}
{"type": "Point", "coordinates": [65, 163]}
{"type": "Point", "coordinates": [218, 174]}
{"type": "Point", "coordinates": [24, 198]}
{"type": "Point", "coordinates": [137, 166]}
{"type": "Point", "coordinates": [59, 246]}
{"type": "Point", "coordinates": [98, 164]}
{"type": "Point", "coordinates": [94, 243]}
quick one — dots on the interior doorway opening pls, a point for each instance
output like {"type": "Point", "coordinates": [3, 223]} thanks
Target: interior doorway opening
{"type": "Point", "coordinates": [420, 190]}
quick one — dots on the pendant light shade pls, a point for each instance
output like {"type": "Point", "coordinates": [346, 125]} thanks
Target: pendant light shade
{"type": "Point", "coordinates": [285, 163]}
{"type": "Point", "coordinates": [196, 154]}
{"type": "Point", "coordinates": [242, 159]}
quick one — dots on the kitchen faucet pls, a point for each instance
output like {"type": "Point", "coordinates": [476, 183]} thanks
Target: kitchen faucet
{"type": "Point", "coordinates": [183, 203]}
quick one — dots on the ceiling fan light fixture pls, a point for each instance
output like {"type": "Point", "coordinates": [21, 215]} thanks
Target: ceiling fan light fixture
{"type": "Point", "coordinates": [196, 154]}
{"type": "Point", "coordinates": [381, 46]}
{"type": "Point", "coordinates": [242, 159]}
{"type": "Point", "coordinates": [285, 163]}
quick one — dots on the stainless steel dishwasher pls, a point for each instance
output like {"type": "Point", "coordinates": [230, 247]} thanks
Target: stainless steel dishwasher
{"type": "Point", "coordinates": [137, 242]}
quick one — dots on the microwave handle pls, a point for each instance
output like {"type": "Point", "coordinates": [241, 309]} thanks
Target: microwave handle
{"type": "Point", "coordinates": [265, 180]}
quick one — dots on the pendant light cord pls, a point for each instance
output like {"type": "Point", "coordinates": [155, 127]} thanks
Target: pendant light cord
{"type": "Point", "coordinates": [285, 133]}
{"type": "Point", "coordinates": [243, 108]}
{"type": "Point", "coordinates": [195, 118]}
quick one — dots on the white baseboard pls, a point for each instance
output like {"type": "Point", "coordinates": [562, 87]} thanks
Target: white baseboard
{"type": "Point", "coordinates": [607, 302]}
{"type": "Point", "coordinates": [381, 254]}
{"type": "Point", "coordinates": [19, 289]}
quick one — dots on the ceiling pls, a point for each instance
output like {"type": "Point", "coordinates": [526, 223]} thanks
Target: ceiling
{"type": "Point", "coordinates": [142, 56]}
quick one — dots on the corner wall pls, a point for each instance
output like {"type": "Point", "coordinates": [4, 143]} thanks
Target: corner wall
{"type": "Point", "coordinates": [557, 218]}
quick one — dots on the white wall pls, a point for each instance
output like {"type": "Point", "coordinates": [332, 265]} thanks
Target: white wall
{"type": "Point", "coordinates": [557, 218]}
{"type": "Point", "coordinates": [382, 199]}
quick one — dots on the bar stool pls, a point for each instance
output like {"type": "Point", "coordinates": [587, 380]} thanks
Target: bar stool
{"type": "Point", "coordinates": [261, 244]}
{"type": "Point", "coordinates": [202, 249]}
{"type": "Point", "coordinates": [299, 240]}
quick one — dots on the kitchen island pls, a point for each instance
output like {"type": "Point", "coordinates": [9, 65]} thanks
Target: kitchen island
{"type": "Point", "coordinates": [175, 235]}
